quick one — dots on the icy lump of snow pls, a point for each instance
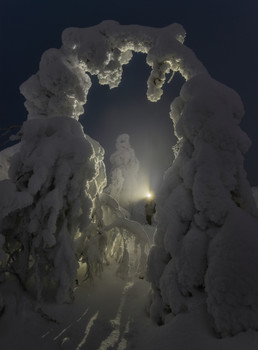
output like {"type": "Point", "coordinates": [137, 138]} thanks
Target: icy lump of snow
{"type": "Point", "coordinates": [59, 88]}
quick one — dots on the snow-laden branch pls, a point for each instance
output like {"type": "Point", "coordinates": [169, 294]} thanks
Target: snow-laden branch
{"type": "Point", "coordinates": [61, 85]}
{"type": "Point", "coordinates": [119, 223]}
{"type": "Point", "coordinates": [131, 226]}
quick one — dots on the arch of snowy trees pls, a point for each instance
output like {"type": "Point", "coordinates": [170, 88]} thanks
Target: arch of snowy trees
{"type": "Point", "coordinates": [53, 208]}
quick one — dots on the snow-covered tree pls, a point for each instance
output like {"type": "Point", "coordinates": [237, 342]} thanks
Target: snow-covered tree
{"type": "Point", "coordinates": [122, 233]}
{"type": "Point", "coordinates": [53, 215]}
{"type": "Point", "coordinates": [207, 219]}
{"type": "Point", "coordinates": [124, 172]}
{"type": "Point", "coordinates": [47, 202]}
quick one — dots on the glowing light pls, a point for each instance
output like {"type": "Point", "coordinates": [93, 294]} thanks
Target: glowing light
{"type": "Point", "coordinates": [148, 195]}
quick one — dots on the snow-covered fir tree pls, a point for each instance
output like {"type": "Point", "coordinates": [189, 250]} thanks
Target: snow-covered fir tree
{"type": "Point", "coordinates": [207, 220]}
{"type": "Point", "coordinates": [47, 202]}
{"type": "Point", "coordinates": [124, 172]}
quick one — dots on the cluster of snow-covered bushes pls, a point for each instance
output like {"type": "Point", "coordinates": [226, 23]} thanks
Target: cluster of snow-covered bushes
{"type": "Point", "coordinates": [53, 211]}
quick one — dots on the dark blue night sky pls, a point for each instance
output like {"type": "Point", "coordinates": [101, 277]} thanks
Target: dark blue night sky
{"type": "Point", "coordinates": [223, 34]}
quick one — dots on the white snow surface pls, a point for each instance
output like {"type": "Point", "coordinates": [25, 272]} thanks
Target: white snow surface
{"type": "Point", "coordinates": [108, 314]}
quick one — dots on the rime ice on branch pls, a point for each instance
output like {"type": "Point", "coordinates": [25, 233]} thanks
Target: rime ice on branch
{"type": "Point", "coordinates": [198, 244]}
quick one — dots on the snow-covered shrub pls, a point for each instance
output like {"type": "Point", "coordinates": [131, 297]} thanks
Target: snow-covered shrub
{"type": "Point", "coordinates": [199, 244]}
{"type": "Point", "coordinates": [46, 202]}
{"type": "Point", "coordinates": [124, 172]}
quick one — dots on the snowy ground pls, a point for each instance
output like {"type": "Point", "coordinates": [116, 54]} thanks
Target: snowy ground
{"type": "Point", "coordinates": [108, 314]}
